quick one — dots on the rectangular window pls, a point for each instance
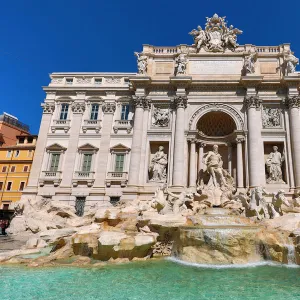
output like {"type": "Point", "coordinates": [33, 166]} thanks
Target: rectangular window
{"type": "Point", "coordinates": [87, 162]}
{"type": "Point", "coordinates": [94, 112]}
{"type": "Point", "coordinates": [1, 186]}
{"type": "Point", "coordinates": [22, 185]}
{"type": "Point", "coordinates": [30, 140]}
{"type": "Point", "coordinates": [69, 81]}
{"type": "Point", "coordinates": [125, 112]}
{"type": "Point", "coordinates": [8, 154]}
{"type": "Point", "coordinates": [119, 162]}
{"type": "Point", "coordinates": [4, 168]}
{"type": "Point", "coordinates": [25, 169]}
{"type": "Point", "coordinates": [64, 111]}
{"type": "Point", "coordinates": [13, 168]}
{"type": "Point", "coordinates": [98, 80]}
{"type": "Point", "coordinates": [17, 153]}
{"type": "Point", "coordinates": [54, 162]}
{"type": "Point", "coordinates": [8, 187]}
{"type": "Point", "coordinates": [21, 140]}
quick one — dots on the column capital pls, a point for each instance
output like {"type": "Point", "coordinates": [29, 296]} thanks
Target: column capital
{"type": "Point", "coordinates": [292, 101]}
{"type": "Point", "coordinates": [252, 102]}
{"type": "Point", "coordinates": [48, 108]}
{"type": "Point", "coordinates": [180, 101]}
{"type": "Point", "coordinates": [192, 140]}
{"type": "Point", "coordinates": [201, 144]}
{"type": "Point", "coordinates": [109, 107]}
{"type": "Point", "coordinates": [78, 107]}
{"type": "Point", "coordinates": [141, 102]}
{"type": "Point", "coordinates": [240, 140]}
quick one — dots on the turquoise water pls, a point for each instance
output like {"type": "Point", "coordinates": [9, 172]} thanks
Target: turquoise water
{"type": "Point", "coordinates": [149, 280]}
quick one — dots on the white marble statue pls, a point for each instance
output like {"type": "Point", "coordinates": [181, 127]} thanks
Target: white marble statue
{"type": "Point", "coordinates": [199, 36]}
{"type": "Point", "coordinates": [158, 166]}
{"type": "Point", "coordinates": [257, 205]}
{"type": "Point", "coordinates": [214, 166]}
{"type": "Point", "coordinates": [142, 63]}
{"type": "Point", "coordinates": [277, 201]}
{"type": "Point", "coordinates": [216, 37]}
{"type": "Point", "coordinates": [161, 117]}
{"type": "Point", "coordinates": [249, 63]}
{"type": "Point", "coordinates": [273, 163]}
{"type": "Point", "coordinates": [290, 62]}
{"type": "Point", "coordinates": [180, 64]}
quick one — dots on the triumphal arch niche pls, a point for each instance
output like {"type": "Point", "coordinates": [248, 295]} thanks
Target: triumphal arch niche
{"type": "Point", "coordinates": [212, 117]}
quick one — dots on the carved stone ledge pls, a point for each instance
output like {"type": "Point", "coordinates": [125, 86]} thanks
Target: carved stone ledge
{"type": "Point", "coordinates": [252, 102]}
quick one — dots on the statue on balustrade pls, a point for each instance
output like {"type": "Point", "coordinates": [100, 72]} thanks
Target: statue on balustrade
{"type": "Point", "coordinates": [273, 164]}
{"type": "Point", "coordinates": [249, 63]}
{"type": "Point", "coordinates": [158, 166]}
{"type": "Point", "coordinates": [142, 63]}
{"type": "Point", "coordinates": [290, 62]}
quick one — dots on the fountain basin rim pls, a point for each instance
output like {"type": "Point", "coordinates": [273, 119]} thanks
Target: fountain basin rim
{"type": "Point", "coordinates": [221, 227]}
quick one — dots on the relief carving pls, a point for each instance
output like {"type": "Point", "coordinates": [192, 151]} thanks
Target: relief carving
{"type": "Point", "coordinates": [271, 117]}
{"type": "Point", "coordinates": [161, 117]}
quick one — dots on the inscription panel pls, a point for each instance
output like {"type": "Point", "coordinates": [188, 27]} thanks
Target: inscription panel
{"type": "Point", "coordinates": [218, 67]}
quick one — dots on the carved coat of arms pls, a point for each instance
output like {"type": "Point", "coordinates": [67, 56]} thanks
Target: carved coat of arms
{"type": "Point", "coordinates": [216, 37]}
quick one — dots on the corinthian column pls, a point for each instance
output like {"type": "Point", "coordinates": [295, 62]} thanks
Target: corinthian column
{"type": "Point", "coordinates": [255, 145]}
{"type": "Point", "coordinates": [180, 103]}
{"type": "Point", "coordinates": [78, 109]}
{"type": "Point", "coordinates": [193, 166]}
{"type": "Point", "coordinates": [48, 109]}
{"type": "Point", "coordinates": [137, 139]}
{"type": "Point", "coordinates": [108, 108]}
{"type": "Point", "coordinates": [293, 103]}
{"type": "Point", "coordinates": [239, 162]}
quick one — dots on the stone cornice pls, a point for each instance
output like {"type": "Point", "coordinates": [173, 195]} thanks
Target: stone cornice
{"type": "Point", "coordinates": [251, 80]}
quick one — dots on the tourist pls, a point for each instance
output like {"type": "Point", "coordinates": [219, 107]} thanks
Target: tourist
{"type": "Point", "coordinates": [3, 226]}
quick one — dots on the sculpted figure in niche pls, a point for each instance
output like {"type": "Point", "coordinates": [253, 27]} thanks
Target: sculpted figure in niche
{"type": "Point", "coordinates": [180, 64]}
{"type": "Point", "coordinates": [161, 117]}
{"type": "Point", "coordinates": [214, 165]}
{"type": "Point", "coordinates": [249, 63]}
{"type": "Point", "coordinates": [142, 62]}
{"type": "Point", "coordinates": [273, 163]}
{"type": "Point", "coordinates": [158, 166]}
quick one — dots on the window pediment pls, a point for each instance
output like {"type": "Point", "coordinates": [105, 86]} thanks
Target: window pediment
{"type": "Point", "coordinates": [119, 148]}
{"type": "Point", "coordinates": [56, 147]}
{"type": "Point", "coordinates": [87, 147]}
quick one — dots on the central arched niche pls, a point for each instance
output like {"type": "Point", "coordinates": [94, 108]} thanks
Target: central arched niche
{"type": "Point", "coordinates": [216, 123]}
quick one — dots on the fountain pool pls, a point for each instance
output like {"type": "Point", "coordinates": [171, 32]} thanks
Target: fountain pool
{"type": "Point", "coordinates": [163, 279]}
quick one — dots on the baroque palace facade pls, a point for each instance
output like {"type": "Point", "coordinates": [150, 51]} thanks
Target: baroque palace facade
{"type": "Point", "coordinates": [111, 136]}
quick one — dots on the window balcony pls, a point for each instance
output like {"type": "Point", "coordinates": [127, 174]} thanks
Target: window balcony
{"type": "Point", "coordinates": [116, 177]}
{"type": "Point", "coordinates": [122, 125]}
{"type": "Point", "coordinates": [91, 125]}
{"type": "Point", "coordinates": [50, 177]}
{"type": "Point", "coordinates": [61, 125]}
{"type": "Point", "coordinates": [85, 177]}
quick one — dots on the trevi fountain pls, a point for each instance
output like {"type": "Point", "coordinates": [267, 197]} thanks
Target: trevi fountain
{"type": "Point", "coordinates": [231, 230]}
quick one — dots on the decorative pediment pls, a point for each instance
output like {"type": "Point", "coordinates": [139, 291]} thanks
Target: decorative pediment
{"type": "Point", "coordinates": [119, 147]}
{"type": "Point", "coordinates": [87, 147]}
{"type": "Point", "coordinates": [56, 147]}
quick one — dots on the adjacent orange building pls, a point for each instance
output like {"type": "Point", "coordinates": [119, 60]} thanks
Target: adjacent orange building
{"type": "Point", "coordinates": [15, 165]}
{"type": "Point", "coordinates": [10, 128]}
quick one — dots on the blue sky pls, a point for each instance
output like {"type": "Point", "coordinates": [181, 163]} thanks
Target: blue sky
{"type": "Point", "coordinates": [40, 37]}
